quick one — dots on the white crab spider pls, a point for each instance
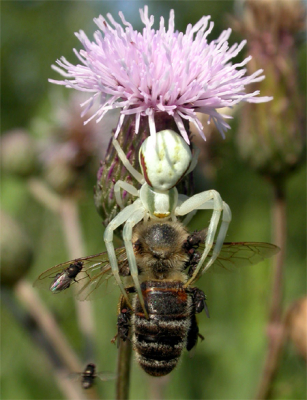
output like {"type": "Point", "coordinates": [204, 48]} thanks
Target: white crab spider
{"type": "Point", "coordinates": [164, 160]}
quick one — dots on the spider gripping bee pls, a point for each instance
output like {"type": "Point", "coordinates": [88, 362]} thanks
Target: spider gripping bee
{"type": "Point", "coordinates": [167, 257]}
{"type": "Point", "coordinates": [165, 159]}
{"type": "Point", "coordinates": [158, 305]}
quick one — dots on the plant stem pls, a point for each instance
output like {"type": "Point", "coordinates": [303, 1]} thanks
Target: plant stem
{"type": "Point", "coordinates": [70, 390]}
{"type": "Point", "coordinates": [66, 208]}
{"type": "Point", "coordinates": [123, 370]}
{"type": "Point", "coordinates": [42, 327]}
{"type": "Point", "coordinates": [279, 238]}
{"type": "Point", "coordinates": [73, 235]}
{"type": "Point", "coordinates": [47, 324]}
{"type": "Point", "coordinates": [275, 329]}
{"type": "Point", "coordinates": [42, 193]}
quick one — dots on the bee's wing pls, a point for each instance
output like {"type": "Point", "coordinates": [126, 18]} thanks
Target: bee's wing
{"type": "Point", "coordinates": [241, 254]}
{"type": "Point", "coordinates": [100, 280]}
{"type": "Point", "coordinates": [95, 268]}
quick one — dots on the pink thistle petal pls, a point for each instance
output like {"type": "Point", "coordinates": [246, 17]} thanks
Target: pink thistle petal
{"type": "Point", "coordinates": [161, 70]}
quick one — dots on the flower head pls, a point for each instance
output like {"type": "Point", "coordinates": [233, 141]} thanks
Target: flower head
{"type": "Point", "coordinates": [159, 71]}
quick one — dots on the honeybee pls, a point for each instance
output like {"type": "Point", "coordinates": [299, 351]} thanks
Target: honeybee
{"type": "Point", "coordinates": [89, 375]}
{"type": "Point", "coordinates": [166, 256]}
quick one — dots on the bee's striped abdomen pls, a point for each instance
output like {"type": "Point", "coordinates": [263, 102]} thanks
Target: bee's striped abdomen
{"type": "Point", "coordinates": [159, 340]}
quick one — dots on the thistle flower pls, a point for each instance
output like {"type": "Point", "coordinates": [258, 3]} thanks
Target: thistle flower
{"type": "Point", "coordinates": [159, 71]}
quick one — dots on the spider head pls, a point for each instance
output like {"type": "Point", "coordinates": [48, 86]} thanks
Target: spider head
{"type": "Point", "coordinates": [164, 160]}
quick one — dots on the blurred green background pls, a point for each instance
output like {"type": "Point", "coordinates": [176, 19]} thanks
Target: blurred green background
{"type": "Point", "coordinates": [227, 364]}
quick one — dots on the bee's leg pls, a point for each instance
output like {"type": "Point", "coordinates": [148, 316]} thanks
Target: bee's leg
{"type": "Point", "coordinates": [198, 300]}
{"type": "Point", "coordinates": [123, 321]}
{"type": "Point", "coordinates": [121, 218]}
{"type": "Point", "coordinates": [190, 246]}
{"type": "Point", "coordinates": [113, 340]}
{"type": "Point", "coordinates": [195, 239]}
{"type": "Point", "coordinates": [123, 324]}
{"type": "Point", "coordinates": [193, 261]}
{"type": "Point", "coordinates": [193, 333]}
{"type": "Point", "coordinates": [127, 237]}
{"type": "Point", "coordinates": [198, 305]}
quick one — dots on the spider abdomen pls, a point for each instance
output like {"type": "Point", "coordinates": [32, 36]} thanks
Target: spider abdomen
{"type": "Point", "coordinates": [160, 339]}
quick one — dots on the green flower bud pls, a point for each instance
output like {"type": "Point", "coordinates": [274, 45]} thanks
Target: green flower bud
{"type": "Point", "coordinates": [18, 153]}
{"type": "Point", "coordinates": [70, 149]}
{"type": "Point", "coordinates": [272, 135]}
{"type": "Point", "coordinates": [16, 251]}
{"type": "Point", "coordinates": [296, 326]}
{"type": "Point", "coordinates": [60, 175]}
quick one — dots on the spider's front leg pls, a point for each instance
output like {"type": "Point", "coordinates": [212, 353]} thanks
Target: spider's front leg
{"type": "Point", "coordinates": [221, 236]}
{"type": "Point", "coordinates": [204, 201]}
{"type": "Point", "coordinates": [125, 186]}
{"type": "Point", "coordinates": [139, 177]}
{"type": "Point", "coordinates": [120, 219]}
{"type": "Point", "coordinates": [127, 237]}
